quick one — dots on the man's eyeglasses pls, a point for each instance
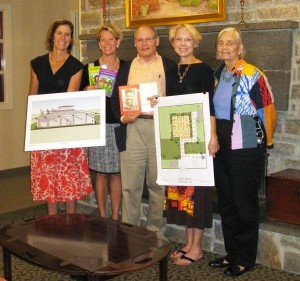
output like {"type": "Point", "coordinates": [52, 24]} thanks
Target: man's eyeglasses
{"type": "Point", "coordinates": [141, 40]}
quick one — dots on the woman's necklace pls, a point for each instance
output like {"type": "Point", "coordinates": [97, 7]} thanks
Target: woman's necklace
{"type": "Point", "coordinates": [181, 76]}
{"type": "Point", "coordinates": [57, 62]}
{"type": "Point", "coordinates": [58, 59]}
{"type": "Point", "coordinates": [114, 66]}
{"type": "Point", "coordinates": [224, 78]}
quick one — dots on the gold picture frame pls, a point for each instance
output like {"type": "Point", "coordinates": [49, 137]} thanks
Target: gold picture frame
{"type": "Point", "coordinates": [169, 12]}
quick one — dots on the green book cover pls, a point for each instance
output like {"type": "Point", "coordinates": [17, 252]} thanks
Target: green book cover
{"type": "Point", "coordinates": [94, 75]}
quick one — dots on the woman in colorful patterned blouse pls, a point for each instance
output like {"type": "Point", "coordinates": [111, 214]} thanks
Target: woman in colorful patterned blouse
{"type": "Point", "coordinates": [246, 120]}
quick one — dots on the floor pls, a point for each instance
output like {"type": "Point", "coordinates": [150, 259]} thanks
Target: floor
{"type": "Point", "coordinates": [16, 204]}
{"type": "Point", "coordinates": [199, 271]}
{"type": "Point", "coordinates": [15, 191]}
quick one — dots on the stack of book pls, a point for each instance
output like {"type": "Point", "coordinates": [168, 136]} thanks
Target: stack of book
{"type": "Point", "coordinates": [103, 78]}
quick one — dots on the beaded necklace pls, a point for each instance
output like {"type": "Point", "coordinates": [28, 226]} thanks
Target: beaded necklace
{"type": "Point", "coordinates": [224, 78]}
{"type": "Point", "coordinates": [112, 66]}
{"type": "Point", "coordinates": [181, 76]}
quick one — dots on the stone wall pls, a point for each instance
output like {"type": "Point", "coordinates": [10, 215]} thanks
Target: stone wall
{"type": "Point", "coordinates": [278, 247]}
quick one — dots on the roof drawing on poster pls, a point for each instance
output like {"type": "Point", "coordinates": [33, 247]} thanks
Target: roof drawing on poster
{"type": "Point", "coordinates": [65, 115]}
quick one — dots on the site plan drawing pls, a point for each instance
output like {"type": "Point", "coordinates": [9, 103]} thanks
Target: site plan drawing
{"type": "Point", "coordinates": [65, 120]}
{"type": "Point", "coordinates": [182, 134]}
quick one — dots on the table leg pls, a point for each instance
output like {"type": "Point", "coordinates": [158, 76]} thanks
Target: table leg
{"type": "Point", "coordinates": [94, 278]}
{"type": "Point", "coordinates": [99, 278]}
{"type": "Point", "coordinates": [7, 264]}
{"type": "Point", "coordinates": [163, 269]}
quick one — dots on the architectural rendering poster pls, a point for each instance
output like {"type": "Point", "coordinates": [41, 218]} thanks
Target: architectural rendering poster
{"type": "Point", "coordinates": [65, 120]}
{"type": "Point", "coordinates": [182, 134]}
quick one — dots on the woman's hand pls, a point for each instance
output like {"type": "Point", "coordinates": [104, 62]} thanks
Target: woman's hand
{"type": "Point", "coordinates": [93, 87]}
{"type": "Point", "coordinates": [213, 146]}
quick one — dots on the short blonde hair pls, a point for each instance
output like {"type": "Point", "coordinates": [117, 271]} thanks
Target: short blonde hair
{"type": "Point", "coordinates": [237, 36]}
{"type": "Point", "coordinates": [115, 31]}
{"type": "Point", "coordinates": [197, 37]}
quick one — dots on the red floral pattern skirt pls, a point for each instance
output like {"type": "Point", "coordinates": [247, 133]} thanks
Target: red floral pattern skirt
{"type": "Point", "coordinates": [60, 175]}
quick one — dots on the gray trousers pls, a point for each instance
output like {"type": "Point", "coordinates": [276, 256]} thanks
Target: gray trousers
{"type": "Point", "coordinates": [138, 161]}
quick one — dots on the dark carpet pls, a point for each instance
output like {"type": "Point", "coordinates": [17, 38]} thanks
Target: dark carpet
{"type": "Point", "coordinates": [23, 271]}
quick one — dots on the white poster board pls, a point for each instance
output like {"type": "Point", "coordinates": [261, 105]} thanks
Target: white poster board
{"type": "Point", "coordinates": [65, 120]}
{"type": "Point", "coordinates": [182, 134]}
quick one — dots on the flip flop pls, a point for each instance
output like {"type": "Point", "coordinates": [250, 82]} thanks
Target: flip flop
{"type": "Point", "coordinates": [177, 255]}
{"type": "Point", "coordinates": [189, 260]}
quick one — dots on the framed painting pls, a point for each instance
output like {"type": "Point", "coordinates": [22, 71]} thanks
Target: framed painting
{"type": "Point", "coordinates": [65, 120]}
{"type": "Point", "coordinates": [169, 12]}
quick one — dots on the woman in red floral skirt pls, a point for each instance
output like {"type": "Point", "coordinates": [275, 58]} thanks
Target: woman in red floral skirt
{"type": "Point", "coordinates": [59, 175]}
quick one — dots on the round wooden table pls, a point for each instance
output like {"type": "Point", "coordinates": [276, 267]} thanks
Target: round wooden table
{"type": "Point", "coordinates": [92, 247]}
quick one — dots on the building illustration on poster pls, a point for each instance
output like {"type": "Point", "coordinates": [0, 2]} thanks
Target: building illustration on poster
{"type": "Point", "coordinates": [65, 115]}
{"type": "Point", "coordinates": [65, 120]}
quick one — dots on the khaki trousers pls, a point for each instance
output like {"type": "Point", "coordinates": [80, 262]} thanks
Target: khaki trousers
{"type": "Point", "coordinates": [138, 161]}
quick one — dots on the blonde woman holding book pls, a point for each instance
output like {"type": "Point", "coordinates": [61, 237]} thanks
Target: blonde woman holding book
{"type": "Point", "coordinates": [105, 160]}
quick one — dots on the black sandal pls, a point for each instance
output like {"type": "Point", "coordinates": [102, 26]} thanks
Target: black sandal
{"type": "Point", "coordinates": [177, 254]}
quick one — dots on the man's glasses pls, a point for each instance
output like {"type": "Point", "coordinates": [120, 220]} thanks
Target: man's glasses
{"type": "Point", "coordinates": [142, 40]}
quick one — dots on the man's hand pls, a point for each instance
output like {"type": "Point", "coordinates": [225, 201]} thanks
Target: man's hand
{"type": "Point", "coordinates": [153, 100]}
{"type": "Point", "coordinates": [129, 118]}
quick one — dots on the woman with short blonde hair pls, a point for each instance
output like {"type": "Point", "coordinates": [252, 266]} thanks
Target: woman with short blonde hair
{"type": "Point", "coordinates": [193, 76]}
{"type": "Point", "coordinates": [105, 160]}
